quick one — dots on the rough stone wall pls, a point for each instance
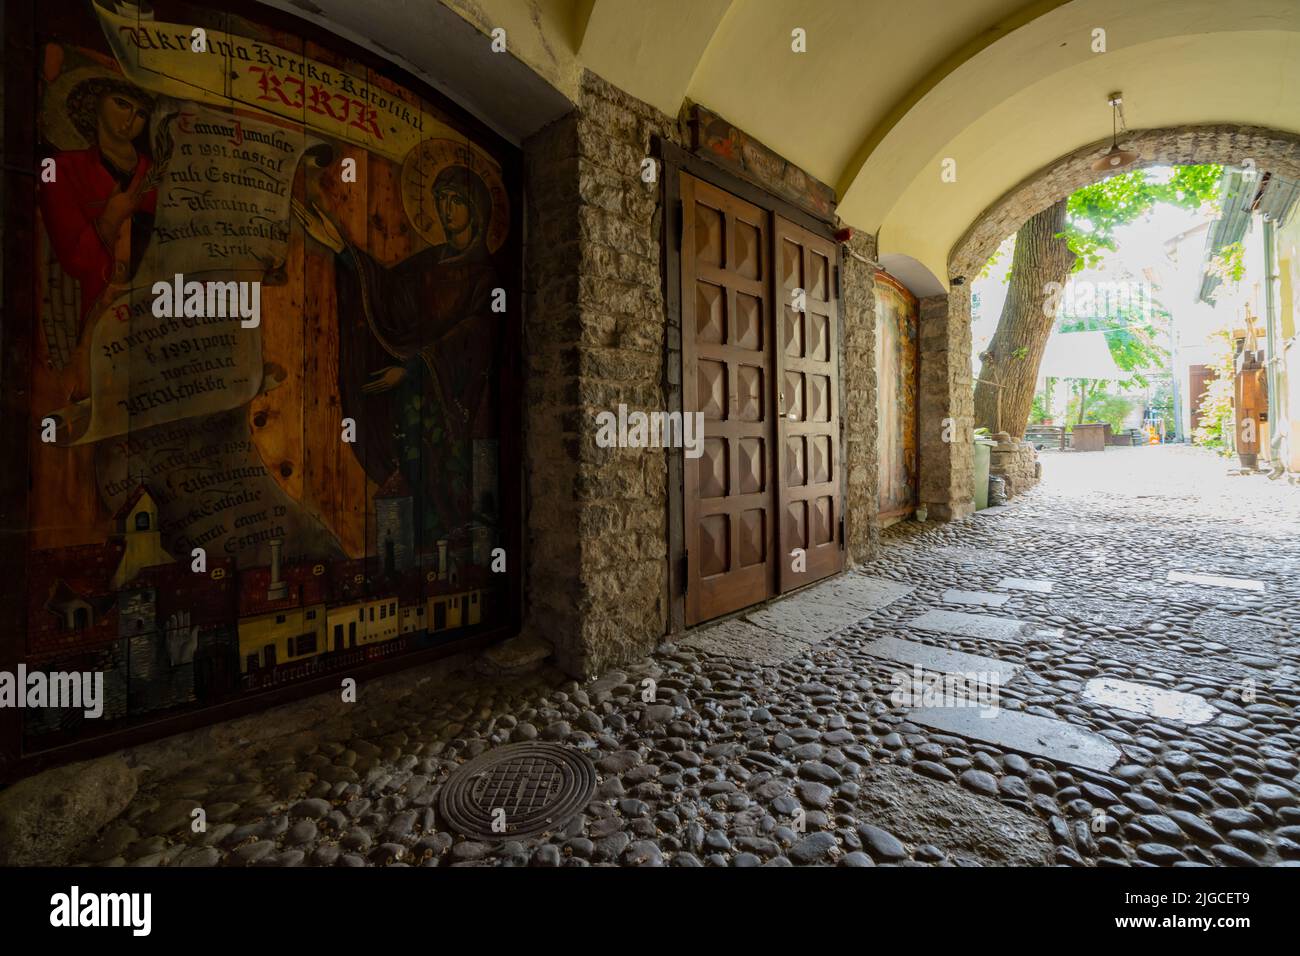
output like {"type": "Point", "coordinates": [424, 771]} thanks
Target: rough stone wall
{"type": "Point", "coordinates": [1014, 461]}
{"type": "Point", "coordinates": [860, 412]}
{"type": "Point", "coordinates": [947, 406]}
{"type": "Point", "coordinates": [597, 517]}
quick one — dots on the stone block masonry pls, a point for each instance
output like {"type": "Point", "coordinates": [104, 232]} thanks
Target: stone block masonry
{"type": "Point", "coordinates": [947, 407]}
{"type": "Point", "coordinates": [597, 575]}
{"type": "Point", "coordinates": [859, 407]}
{"type": "Point", "coordinates": [1014, 461]}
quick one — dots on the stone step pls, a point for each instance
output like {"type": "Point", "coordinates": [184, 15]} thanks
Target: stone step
{"type": "Point", "coordinates": [1024, 733]}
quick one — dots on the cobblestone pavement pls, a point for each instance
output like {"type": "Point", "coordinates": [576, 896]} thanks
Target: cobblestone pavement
{"type": "Point", "coordinates": [801, 757]}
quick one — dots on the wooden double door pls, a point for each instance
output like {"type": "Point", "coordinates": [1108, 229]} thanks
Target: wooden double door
{"type": "Point", "coordinates": [763, 506]}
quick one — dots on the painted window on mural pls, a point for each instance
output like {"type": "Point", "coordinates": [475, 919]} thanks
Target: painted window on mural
{"type": "Point", "coordinates": [896, 373]}
{"type": "Point", "coordinates": [272, 318]}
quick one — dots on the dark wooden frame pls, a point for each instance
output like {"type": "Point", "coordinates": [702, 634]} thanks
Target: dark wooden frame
{"type": "Point", "coordinates": [673, 160]}
{"type": "Point", "coordinates": [16, 344]}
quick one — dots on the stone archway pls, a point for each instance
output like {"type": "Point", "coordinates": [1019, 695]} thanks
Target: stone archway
{"type": "Point", "coordinates": [947, 406]}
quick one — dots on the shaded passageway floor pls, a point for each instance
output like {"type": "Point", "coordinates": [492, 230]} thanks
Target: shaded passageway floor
{"type": "Point", "coordinates": [1134, 621]}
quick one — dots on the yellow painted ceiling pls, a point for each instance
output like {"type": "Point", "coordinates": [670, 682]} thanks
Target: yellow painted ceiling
{"type": "Point", "coordinates": [887, 90]}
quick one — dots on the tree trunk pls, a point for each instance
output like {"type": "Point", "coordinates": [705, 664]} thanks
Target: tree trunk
{"type": "Point", "coordinates": [1085, 396]}
{"type": "Point", "coordinates": [1025, 324]}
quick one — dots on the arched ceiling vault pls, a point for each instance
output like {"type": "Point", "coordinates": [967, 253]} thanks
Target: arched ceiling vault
{"type": "Point", "coordinates": [888, 89]}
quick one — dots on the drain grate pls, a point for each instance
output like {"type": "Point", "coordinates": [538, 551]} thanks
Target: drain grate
{"type": "Point", "coordinates": [539, 786]}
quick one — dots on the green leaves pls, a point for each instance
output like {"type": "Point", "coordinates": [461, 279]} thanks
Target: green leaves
{"type": "Point", "coordinates": [1230, 264]}
{"type": "Point", "coordinates": [1094, 212]}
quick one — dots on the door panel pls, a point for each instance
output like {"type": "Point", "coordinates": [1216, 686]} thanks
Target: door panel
{"type": "Point", "coordinates": [727, 373]}
{"type": "Point", "coordinates": [808, 409]}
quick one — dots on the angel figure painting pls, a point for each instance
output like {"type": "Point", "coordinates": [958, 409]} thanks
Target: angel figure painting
{"type": "Point", "coordinates": [98, 208]}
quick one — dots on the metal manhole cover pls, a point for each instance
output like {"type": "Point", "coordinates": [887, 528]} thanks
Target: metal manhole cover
{"type": "Point", "coordinates": [525, 789]}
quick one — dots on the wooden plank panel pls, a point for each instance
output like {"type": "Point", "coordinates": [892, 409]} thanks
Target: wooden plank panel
{"type": "Point", "coordinates": [896, 374]}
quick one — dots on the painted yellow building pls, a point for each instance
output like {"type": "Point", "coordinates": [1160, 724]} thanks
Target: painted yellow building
{"type": "Point", "coordinates": [362, 622]}
{"type": "Point", "coordinates": [282, 637]}
{"type": "Point", "coordinates": [413, 617]}
{"type": "Point", "coordinates": [448, 611]}
{"type": "Point", "coordinates": [138, 525]}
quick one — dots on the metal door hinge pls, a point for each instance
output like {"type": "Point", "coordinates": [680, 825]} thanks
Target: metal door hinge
{"type": "Point", "coordinates": [841, 532]}
{"type": "Point", "coordinates": [681, 222]}
{"type": "Point", "coordinates": [686, 571]}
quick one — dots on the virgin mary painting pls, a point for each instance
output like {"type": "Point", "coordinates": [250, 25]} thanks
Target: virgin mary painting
{"type": "Point", "coordinates": [417, 351]}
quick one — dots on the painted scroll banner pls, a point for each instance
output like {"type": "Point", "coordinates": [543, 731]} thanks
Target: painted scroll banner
{"type": "Point", "coordinates": [222, 217]}
{"type": "Point", "coordinates": [238, 70]}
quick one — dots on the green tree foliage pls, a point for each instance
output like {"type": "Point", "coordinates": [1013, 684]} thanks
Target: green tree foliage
{"type": "Point", "coordinates": [1094, 212]}
{"type": "Point", "coordinates": [1134, 335]}
{"type": "Point", "coordinates": [1098, 405]}
{"type": "Point", "coordinates": [1040, 411]}
{"type": "Point", "coordinates": [1230, 264]}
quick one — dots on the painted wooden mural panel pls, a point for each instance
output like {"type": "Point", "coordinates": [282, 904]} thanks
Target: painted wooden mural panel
{"type": "Point", "coordinates": [335, 449]}
{"type": "Point", "coordinates": [896, 374]}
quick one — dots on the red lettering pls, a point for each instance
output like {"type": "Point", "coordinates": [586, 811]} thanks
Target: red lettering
{"type": "Point", "coordinates": [271, 83]}
{"type": "Point", "coordinates": [365, 120]}
{"type": "Point", "coordinates": [319, 102]}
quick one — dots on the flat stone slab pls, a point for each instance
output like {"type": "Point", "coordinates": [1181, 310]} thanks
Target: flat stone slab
{"type": "Point", "coordinates": [815, 613]}
{"type": "Point", "coordinates": [973, 625]}
{"type": "Point", "coordinates": [862, 591]}
{"type": "Point", "coordinates": [517, 655]}
{"type": "Point", "coordinates": [940, 659]}
{"type": "Point", "coordinates": [1149, 701]}
{"type": "Point", "coordinates": [1037, 585]}
{"type": "Point", "coordinates": [1023, 733]}
{"type": "Point", "coordinates": [1215, 581]}
{"type": "Point", "coordinates": [740, 639]}
{"type": "Point", "coordinates": [970, 827]}
{"type": "Point", "coordinates": [975, 598]}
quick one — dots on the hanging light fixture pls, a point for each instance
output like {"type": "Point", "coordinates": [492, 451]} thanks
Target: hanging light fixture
{"type": "Point", "coordinates": [1115, 157]}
